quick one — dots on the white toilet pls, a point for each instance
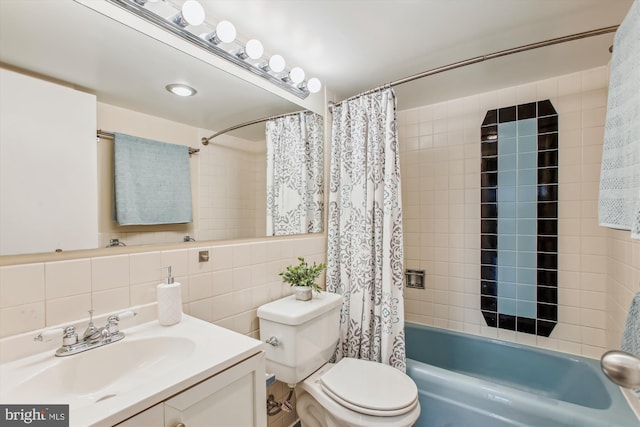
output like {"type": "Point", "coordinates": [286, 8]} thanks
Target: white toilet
{"type": "Point", "coordinates": [302, 337]}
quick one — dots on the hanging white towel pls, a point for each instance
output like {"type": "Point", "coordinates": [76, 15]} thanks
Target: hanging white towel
{"type": "Point", "coordinates": [152, 182]}
{"type": "Point", "coordinates": [619, 201]}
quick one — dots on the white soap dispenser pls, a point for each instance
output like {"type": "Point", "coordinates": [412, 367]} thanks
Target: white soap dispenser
{"type": "Point", "coordinates": [169, 301]}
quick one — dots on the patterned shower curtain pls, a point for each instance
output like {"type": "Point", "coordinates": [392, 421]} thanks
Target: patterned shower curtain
{"type": "Point", "coordinates": [295, 196]}
{"type": "Point", "coordinates": [365, 245]}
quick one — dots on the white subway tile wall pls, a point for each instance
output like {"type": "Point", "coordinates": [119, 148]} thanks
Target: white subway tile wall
{"type": "Point", "coordinates": [623, 282]}
{"type": "Point", "coordinates": [599, 269]}
{"type": "Point", "coordinates": [227, 290]}
{"type": "Point", "coordinates": [232, 192]}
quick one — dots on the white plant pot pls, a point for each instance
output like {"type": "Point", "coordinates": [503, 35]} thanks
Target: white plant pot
{"type": "Point", "coordinates": [303, 293]}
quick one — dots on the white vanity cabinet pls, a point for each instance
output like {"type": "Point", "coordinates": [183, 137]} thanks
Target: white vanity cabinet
{"type": "Point", "coordinates": [233, 398]}
{"type": "Point", "coordinates": [152, 417]}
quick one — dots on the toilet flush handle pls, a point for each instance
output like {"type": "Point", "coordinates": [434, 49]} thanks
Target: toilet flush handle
{"type": "Point", "coordinates": [273, 341]}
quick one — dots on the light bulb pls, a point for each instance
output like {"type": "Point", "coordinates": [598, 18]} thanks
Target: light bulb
{"type": "Point", "coordinates": [276, 63]}
{"type": "Point", "coordinates": [314, 85]}
{"type": "Point", "coordinates": [192, 12]}
{"type": "Point", "coordinates": [254, 49]}
{"type": "Point", "coordinates": [296, 75]}
{"type": "Point", "coordinates": [225, 31]}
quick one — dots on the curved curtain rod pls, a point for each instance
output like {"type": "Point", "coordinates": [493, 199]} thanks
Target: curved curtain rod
{"type": "Point", "coordinates": [111, 135]}
{"type": "Point", "coordinates": [205, 141]}
{"type": "Point", "coordinates": [498, 54]}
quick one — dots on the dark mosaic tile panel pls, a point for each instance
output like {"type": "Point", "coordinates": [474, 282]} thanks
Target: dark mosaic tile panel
{"type": "Point", "coordinates": [488, 210]}
{"type": "Point", "coordinates": [548, 124]}
{"type": "Point", "coordinates": [548, 261]}
{"type": "Point", "coordinates": [507, 114]}
{"type": "Point", "coordinates": [489, 164]}
{"type": "Point", "coordinates": [489, 133]}
{"type": "Point", "coordinates": [489, 288]}
{"type": "Point", "coordinates": [488, 273]}
{"type": "Point", "coordinates": [547, 193]}
{"type": "Point", "coordinates": [489, 148]}
{"type": "Point", "coordinates": [547, 294]}
{"type": "Point", "coordinates": [548, 141]}
{"type": "Point", "coordinates": [489, 257]}
{"type": "Point", "coordinates": [491, 318]}
{"type": "Point", "coordinates": [527, 111]}
{"type": "Point", "coordinates": [491, 118]}
{"type": "Point", "coordinates": [488, 303]}
{"type": "Point", "coordinates": [548, 210]}
{"type": "Point", "coordinates": [544, 327]}
{"type": "Point", "coordinates": [547, 311]}
{"type": "Point", "coordinates": [548, 158]}
{"type": "Point", "coordinates": [489, 226]}
{"type": "Point", "coordinates": [547, 244]}
{"type": "Point", "coordinates": [545, 108]}
{"type": "Point", "coordinates": [547, 176]}
{"type": "Point", "coordinates": [548, 227]}
{"type": "Point", "coordinates": [489, 180]}
{"type": "Point", "coordinates": [507, 321]}
{"type": "Point", "coordinates": [489, 241]}
{"type": "Point", "coordinates": [546, 224]}
{"type": "Point", "coordinates": [547, 278]}
{"type": "Point", "coordinates": [526, 325]}
{"type": "Point", "coordinates": [489, 195]}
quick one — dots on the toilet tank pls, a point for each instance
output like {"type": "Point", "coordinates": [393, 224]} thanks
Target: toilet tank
{"type": "Point", "coordinates": [306, 332]}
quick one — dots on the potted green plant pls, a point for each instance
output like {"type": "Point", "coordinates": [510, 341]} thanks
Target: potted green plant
{"type": "Point", "coordinates": [302, 278]}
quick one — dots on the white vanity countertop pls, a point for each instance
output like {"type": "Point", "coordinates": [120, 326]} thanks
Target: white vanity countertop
{"type": "Point", "coordinates": [107, 385]}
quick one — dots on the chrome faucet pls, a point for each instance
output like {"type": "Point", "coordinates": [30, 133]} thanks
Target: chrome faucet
{"type": "Point", "coordinates": [91, 338]}
{"type": "Point", "coordinates": [91, 333]}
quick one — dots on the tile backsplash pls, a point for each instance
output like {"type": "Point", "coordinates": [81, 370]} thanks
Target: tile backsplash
{"type": "Point", "coordinates": [226, 290]}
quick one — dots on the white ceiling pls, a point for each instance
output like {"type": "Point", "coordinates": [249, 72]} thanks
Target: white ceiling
{"type": "Point", "coordinates": [351, 45]}
{"type": "Point", "coordinates": [355, 45]}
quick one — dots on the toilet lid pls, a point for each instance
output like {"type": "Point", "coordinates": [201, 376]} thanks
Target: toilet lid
{"type": "Point", "coordinates": [370, 388]}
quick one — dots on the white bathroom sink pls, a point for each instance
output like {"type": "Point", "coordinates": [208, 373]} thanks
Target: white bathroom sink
{"type": "Point", "coordinates": [98, 374]}
{"type": "Point", "coordinates": [110, 383]}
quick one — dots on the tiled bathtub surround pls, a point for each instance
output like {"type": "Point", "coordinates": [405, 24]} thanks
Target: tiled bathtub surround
{"type": "Point", "coordinates": [598, 269]}
{"type": "Point", "coordinates": [227, 290]}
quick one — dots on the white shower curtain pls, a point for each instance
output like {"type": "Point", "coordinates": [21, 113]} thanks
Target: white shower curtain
{"type": "Point", "coordinates": [295, 195]}
{"type": "Point", "coordinates": [365, 245]}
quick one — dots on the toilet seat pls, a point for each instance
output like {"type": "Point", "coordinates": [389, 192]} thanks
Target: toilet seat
{"type": "Point", "coordinates": [370, 388]}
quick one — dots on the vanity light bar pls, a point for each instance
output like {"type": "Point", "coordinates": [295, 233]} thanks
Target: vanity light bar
{"type": "Point", "coordinates": [137, 7]}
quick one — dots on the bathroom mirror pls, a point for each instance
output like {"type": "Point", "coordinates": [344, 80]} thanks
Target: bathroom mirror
{"type": "Point", "coordinates": [67, 43]}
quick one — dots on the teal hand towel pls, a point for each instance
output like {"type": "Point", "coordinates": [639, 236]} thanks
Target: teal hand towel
{"type": "Point", "coordinates": [152, 182]}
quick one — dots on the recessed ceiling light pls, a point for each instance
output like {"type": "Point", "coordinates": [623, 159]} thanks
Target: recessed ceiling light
{"type": "Point", "coordinates": [181, 90]}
